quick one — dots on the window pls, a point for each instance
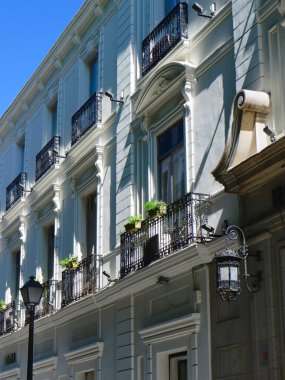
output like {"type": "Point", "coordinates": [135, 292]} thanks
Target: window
{"type": "Point", "coordinates": [178, 366]}
{"type": "Point", "coordinates": [91, 208]}
{"type": "Point", "coordinates": [93, 76]}
{"type": "Point", "coordinates": [50, 251]}
{"type": "Point", "coordinates": [21, 154]}
{"type": "Point", "coordinates": [169, 5]}
{"type": "Point", "coordinates": [89, 375]}
{"type": "Point", "coordinates": [17, 266]}
{"type": "Point", "coordinates": [276, 59]}
{"type": "Point", "coordinates": [171, 163]}
{"type": "Point", "coordinates": [53, 114]}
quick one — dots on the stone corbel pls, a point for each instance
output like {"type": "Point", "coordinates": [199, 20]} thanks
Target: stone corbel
{"type": "Point", "coordinates": [186, 92]}
{"type": "Point", "coordinates": [249, 108]}
{"type": "Point", "coordinates": [281, 8]}
{"type": "Point", "coordinates": [76, 39]}
{"type": "Point", "coordinates": [56, 199]}
{"type": "Point", "coordinates": [22, 229]}
{"type": "Point", "coordinates": [57, 63]}
{"type": "Point", "coordinates": [99, 162]}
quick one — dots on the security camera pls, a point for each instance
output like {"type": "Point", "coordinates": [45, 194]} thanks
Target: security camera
{"type": "Point", "coordinates": [270, 133]}
{"type": "Point", "coordinates": [208, 13]}
{"type": "Point", "coordinates": [197, 7]}
{"type": "Point", "coordinates": [115, 100]}
{"type": "Point", "coordinates": [109, 95]}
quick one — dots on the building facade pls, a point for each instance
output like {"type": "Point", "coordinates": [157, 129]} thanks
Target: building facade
{"type": "Point", "coordinates": [141, 100]}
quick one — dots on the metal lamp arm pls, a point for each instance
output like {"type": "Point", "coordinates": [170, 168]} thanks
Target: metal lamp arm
{"type": "Point", "coordinates": [232, 233]}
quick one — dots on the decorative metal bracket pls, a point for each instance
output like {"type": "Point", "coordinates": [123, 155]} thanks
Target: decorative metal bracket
{"type": "Point", "coordinates": [232, 233]}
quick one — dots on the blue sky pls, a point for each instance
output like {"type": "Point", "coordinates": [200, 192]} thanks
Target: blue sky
{"type": "Point", "coordinates": [28, 30]}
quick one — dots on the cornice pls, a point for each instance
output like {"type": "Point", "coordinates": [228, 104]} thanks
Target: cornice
{"type": "Point", "coordinates": [53, 61]}
{"type": "Point", "coordinates": [257, 170]}
{"type": "Point", "coordinates": [82, 153]}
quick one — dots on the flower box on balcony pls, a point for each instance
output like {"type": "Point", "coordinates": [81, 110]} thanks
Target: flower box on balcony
{"type": "Point", "coordinates": [70, 262]}
{"type": "Point", "coordinates": [155, 208]}
{"type": "Point", "coordinates": [2, 306]}
{"type": "Point", "coordinates": [134, 223]}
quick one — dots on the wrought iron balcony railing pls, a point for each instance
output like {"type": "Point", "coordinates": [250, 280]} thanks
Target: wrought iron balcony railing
{"type": "Point", "coordinates": [80, 281]}
{"type": "Point", "coordinates": [86, 117]}
{"type": "Point", "coordinates": [8, 319]}
{"type": "Point", "coordinates": [161, 236]}
{"type": "Point", "coordinates": [164, 37]}
{"type": "Point", "coordinates": [47, 157]}
{"type": "Point", "coordinates": [15, 190]}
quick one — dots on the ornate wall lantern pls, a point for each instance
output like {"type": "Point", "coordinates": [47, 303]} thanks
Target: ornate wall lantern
{"type": "Point", "coordinates": [228, 263]}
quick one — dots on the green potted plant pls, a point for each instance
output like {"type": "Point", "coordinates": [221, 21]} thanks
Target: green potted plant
{"type": "Point", "coordinates": [2, 306]}
{"type": "Point", "coordinates": [155, 208]}
{"type": "Point", "coordinates": [134, 223]}
{"type": "Point", "coordinates": [69, 262]}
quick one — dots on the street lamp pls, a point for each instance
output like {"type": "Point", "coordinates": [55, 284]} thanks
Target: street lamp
{"type": "Point", "coordinates": [31, 293]}
{"type": "Point", "coordinates": [228, 267]}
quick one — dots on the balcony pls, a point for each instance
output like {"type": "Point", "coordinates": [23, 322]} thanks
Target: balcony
{"type": "Point", "coordinates": [15, 190]}
{"type": "Point", "coordinates": [80, 281]}
{"type": "Point", "coordinates": [86, 117]}
{"type": "Point", "coordinates": [8, 319]}
{"type": "Point", "coordinates": [164, 37]}
{"type": "Point", "coordinates": [160, 237]}
{"type": "Point", "coordinates": [47, 157]}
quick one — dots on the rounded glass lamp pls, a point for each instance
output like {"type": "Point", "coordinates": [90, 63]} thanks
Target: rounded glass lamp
{"type": "Point", "coordinates": [228, 274]}
{"type": "Point", "coordinates": [32, 292]}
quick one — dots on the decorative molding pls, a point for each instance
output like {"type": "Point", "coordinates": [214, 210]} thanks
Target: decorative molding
{"type": "Point", "coordinates": [186, 92]}
{"type": "Point", "coordinates": [99, 162]}
{"type": "Point", "coordinates": [281, 7]}
{"type": "Point", "coordinates": [43, 366]}
{"type": "Point", "coordinates": [56, 198]}
{"type": "Point", "coordinates": [22, 228]}
{"type": "Point", "coordinates": [157, 89]}
{"type": "Point", "coordinates": [174, 329]}
{"type": "Point", "coordinates": [40, 86]}
{"type": "Point", "coordinates": [11, 374]}
{"type": "Point", "coordinates": [84, 354]}
{"type": "Point", "coordinates": [57, 63]}
{"type": "Point", "coordinates": [75, 39]}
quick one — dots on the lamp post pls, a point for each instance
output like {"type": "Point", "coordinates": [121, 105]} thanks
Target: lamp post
{"type": "Point", "coordinates": [31, 293]}
{"type": "Point", "coordinates": [228, 267]}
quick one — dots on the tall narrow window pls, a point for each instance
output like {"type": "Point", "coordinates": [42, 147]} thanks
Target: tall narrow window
{"type": "Point", "coordinates": [53, 112]}
{"type": "Point", "coordinates": [91, 234]}
{"type": "Point", "coordinates": [178, 366]}
{"type": "Point", "coordinates": [93, 76]}
{"type": "Point", "coordinates": [276, 61]}
{"type": "Point", "coordinates": [21, 154]}
{"type": "Point", "coordinates": [17, 262]}
{"type": "Point", "coordinates": [50, 251]}
{"type": "Point", "coordinates": [171, 163]}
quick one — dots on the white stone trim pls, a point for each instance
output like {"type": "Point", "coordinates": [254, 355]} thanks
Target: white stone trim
{"type": "Point", "coordinates": [170, 330]}
{"type": "Point", "coordinates": [43, 366]}
{"type": "Point", "coordinates": [8, 374]}
{"type": "Point", "coordinates": [84, 354]}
